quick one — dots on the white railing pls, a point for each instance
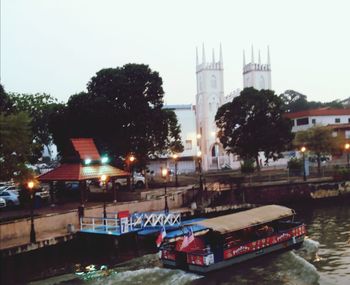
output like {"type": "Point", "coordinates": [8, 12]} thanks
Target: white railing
{"type": "Point", "coordinates": [133, 222]}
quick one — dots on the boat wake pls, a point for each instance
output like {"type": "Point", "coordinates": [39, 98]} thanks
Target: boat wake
{"type": "Point", "coordinates": [152, 276]}
{"type": "Point", "coordinates": [309, 250]}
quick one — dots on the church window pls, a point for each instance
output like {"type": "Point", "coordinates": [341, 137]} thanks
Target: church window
{"type": "Point", "coordinates": [213, 81]}
{"type": "Point", "coordinates": [313, 121]}
{"type": "Point", "coordinates": [337, 120]}
{"type": "Point", "coordinates": [188, 144]}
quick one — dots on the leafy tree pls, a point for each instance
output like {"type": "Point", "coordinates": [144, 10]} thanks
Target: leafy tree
{"type": "Point", "coordinates": [320, 141]}
{"type": "Point", "coordinates": [294, 101]}
{"type": "Point", "coordinates": [15, 145]}
{"type": "Point", "coordinates": [122, 111]}
{"type": "Point", "coordinates": [5, 101]}
{"type": "Point", "coordinates": [39, 107]}
{"type": "Point", "coordinates": [253, 122]}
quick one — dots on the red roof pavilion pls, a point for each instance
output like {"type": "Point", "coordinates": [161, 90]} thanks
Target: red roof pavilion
{"type": "Point", "coordinates": [86, 148]}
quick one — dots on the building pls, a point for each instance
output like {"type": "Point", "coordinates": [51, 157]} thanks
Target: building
{"type": "Point", "coordinates": [198, 127]}
{"type": "Point", "coordinates": [187, 159]}
{"type": "Point", "coordinates": [210, 96]}
{"type": "Point", "coordinates": [304, 120]}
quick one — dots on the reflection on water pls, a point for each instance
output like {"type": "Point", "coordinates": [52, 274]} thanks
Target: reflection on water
{"type": "Point", "coordinates": [324, 258]}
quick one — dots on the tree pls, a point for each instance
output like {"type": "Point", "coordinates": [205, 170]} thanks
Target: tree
{"type": "Point", "coordinates": [39, 107]}
{"type": "Point", "coordinates": [294, 101]}
{"type": "Point", "coordinates": [320, 141]}
{"type": "Point", "coordinates": [15, 145]}
{"type": "Point", "coordinates": [254, 122]}
{"type": "Point", "coordinates": [122, 111]}
{"type": "Point", "coordinates": [5, 102]}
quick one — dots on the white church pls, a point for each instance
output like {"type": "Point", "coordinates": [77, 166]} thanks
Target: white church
{"type": "Point", "coordinates": [198, 128]}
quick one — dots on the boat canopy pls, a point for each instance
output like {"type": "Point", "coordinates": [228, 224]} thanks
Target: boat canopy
{"type": "Point", "coordinates": [246, 219]}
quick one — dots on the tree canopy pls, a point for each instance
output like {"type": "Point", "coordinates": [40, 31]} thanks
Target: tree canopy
{"type": "Point", "coordinates": [122, 111]}
{"type": "Point", "coordinates": [319, 140]}
{"type": "Point", "coordinates": [294, 101]}
{"type": "Point", "coordinates": [39, 107]}
{"type": "Point", "coordinates": [254, 122]}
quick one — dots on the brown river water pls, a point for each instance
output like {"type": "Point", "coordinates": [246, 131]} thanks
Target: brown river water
{"type": "Point", "coordinates": [324, 258]}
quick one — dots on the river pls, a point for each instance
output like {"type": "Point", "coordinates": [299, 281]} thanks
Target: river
{"type": "Point", "coordinates": [324, 258]}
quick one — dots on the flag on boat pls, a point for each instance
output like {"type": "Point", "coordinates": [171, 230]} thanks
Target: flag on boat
{"type": "Point", "coordinates": [161, 236]}
{"type": "Point", "coordinates": [188, 239]}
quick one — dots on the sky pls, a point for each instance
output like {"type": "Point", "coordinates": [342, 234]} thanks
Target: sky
{"type": "Point", "coordinates": [56, 46]}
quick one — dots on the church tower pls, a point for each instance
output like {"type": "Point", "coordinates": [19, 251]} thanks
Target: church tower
{"type": "Point", "coordinates": [210, 96]}
{"type": "Point", "coordinates": [257, 75]}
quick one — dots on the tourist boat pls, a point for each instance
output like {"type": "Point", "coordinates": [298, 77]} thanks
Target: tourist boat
{"type": "Point", "coordinates": [226, 240]}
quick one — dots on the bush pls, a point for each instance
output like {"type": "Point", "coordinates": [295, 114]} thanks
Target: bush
{"type": "Point", "coordinates": [341, 173]}
{"type": "Point", "coordinates": [247, 166]}
{"type": "Point", "coordinates": [295, 166]}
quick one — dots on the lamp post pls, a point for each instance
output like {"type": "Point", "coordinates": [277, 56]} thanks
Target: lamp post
{"type": "Point", "coordinates": [347, 148]}
{"type": "Point", "coordinates": [165, 176]}
{"type": "Point", "coordinates": [131, 160]}
{"type": "Point", "coordinates": [103, 181]}
{"type": "Point", "coordinates": [30, 186]}
{"type": "Point", "coordinates": [303, 149]}
{"type": "Point", "coordinates": [175, 157]}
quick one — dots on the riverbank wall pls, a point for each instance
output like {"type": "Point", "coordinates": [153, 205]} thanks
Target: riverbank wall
{"type": "Point", "coordinates": [58, 227]}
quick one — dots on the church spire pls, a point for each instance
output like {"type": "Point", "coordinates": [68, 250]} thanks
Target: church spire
{"type": "Point", "coordinates": [203, 54]}
{"type": "Point", "coordinates": [259, 58]}
{"type": "Point", "coordinates": [197, 56]}
{"type": "Point", "coordinates": [268, 55]}
{"type": "Point", "coordinates": [221, 60]}
{"type": "Point", "coordinates": [252, 55]}
{"type": "Point", "coordinates": [243, 58]}
{"type": "Point", "coordinates": [213, 56]}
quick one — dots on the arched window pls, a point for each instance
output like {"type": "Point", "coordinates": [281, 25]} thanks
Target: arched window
{"type": "Point", "coordinates": [213, 81]}
{"type": "Point", "coordinates": [215, 150]}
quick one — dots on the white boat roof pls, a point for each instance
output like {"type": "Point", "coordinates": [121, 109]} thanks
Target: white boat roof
{"type": "Point", "coordinates": [245, 219]}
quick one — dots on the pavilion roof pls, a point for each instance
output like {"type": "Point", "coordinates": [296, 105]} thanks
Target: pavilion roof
{"type": "Point", "coordinates": [86, 148]}
{"type": "Point", "coordinates": [78, 172]}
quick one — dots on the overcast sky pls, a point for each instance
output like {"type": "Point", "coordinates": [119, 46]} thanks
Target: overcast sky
{"type": "Point", "coordinates": [57, 46]}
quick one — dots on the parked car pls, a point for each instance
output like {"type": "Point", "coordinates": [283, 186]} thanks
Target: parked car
{"type": "Point", "coordinates": [11, 188]}
{"type": "Point", "coordinates": [139, 181]}
{"type": "Point", "coordinates": [10, 197]}
{"type": "Point", "coordinates": [42, 194]}
{"type": "Point", "coordinates": [2, 203]}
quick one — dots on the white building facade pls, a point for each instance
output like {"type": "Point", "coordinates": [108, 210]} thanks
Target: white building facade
{"type": "Point", "coordinates": [322, 117]}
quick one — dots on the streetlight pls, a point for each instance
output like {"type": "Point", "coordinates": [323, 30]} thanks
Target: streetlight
{"type": "Point", "coordinates": [175, 157]}
{"type": "Point", "coordinates": [199, 156]}
{"type": "Point", "coordinates": [104, 186]}
{"type": "Point", "coordinates": [131, 160]}
{"type": "Point", "coordinates": [303, 149]}
{"type": "Point", "coordinates": [30, 186]}
{"type": "Point", "coordinates": [165, 176]}
{"type": "Point", "coordinates": [347, 148]}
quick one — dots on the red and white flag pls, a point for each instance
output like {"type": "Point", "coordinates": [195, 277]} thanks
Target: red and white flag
{"type": "Point", "coordinates": [188, 239]}
{"type": "Point", "coordinates": [161, 236]}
